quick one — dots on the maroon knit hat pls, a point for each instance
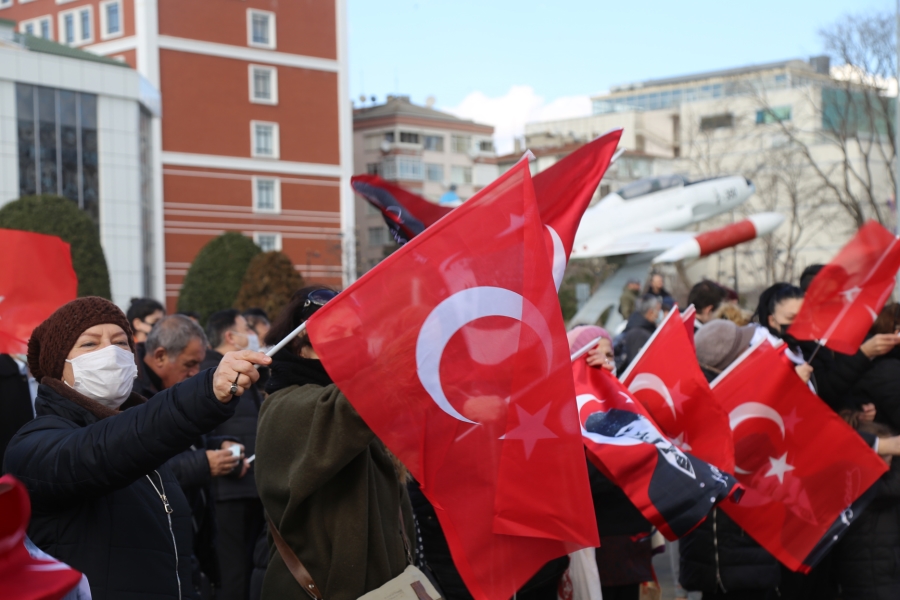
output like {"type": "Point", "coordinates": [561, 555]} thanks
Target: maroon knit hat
{"type": "Point", "coordinates": [52, 340]}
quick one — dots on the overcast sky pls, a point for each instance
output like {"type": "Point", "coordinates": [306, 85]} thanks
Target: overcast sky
{"type": "Point", "coordinates": [505, 62]}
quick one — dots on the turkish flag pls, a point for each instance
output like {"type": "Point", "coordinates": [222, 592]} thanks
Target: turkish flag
{"type": "Point", "coordinates": [666, 379]}
{"type": "Point", "coordinates": [688, 317]}
{"type": "Point", "coordinates": [673, 490]}
{"type": "Point", "coordinates": [36, 278]}
{"type": "Point", "coordinates": [453, 351]}
{"type": "Point", "coordinates": [406, 214]}
{"type": "Point", "coordinates": [846, 296]}
{"type": "Point", "coordinates": [802, 465]}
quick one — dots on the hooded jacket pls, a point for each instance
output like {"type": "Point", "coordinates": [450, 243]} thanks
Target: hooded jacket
{"type": "Point", "coordinates": [100, 489]}
{"type": "Point", "coordinates": [328, 485]}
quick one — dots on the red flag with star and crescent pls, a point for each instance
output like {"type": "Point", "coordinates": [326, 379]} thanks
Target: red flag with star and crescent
{"type": "Point", "coordinates": [845, 297]}
{"type": "Point", "coordinates": [673, 489]}
{"type": "Point", "coordinates": [802, 465]}
{"type": "Point", "coordinates": [666, 378]}
{"type": "Point", "coordinates": [453, 350]}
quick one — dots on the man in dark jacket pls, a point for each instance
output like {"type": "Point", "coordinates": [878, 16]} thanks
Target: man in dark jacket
{"type": "Point", "coordinates": [239, 511]}
{"type": "Point", "coordinates": [172, 353]}
{"type": "Point", "coordinates": [641, 325]}
{"type": "Point", "coordinates": [15, 399]}
{"type": "Point", "coordinates": [103, 500]}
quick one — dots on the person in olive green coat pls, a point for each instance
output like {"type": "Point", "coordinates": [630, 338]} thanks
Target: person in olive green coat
{"type": "Point", "coordinates": [328, 484]}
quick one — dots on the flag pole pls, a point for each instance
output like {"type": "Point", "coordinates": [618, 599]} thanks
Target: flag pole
{"type": "Point", "coordinates": [579, 353]}
{"type": "Point", "coordinates": [816, 351]}
{"type": "Point", "coordinates": [274, 349]}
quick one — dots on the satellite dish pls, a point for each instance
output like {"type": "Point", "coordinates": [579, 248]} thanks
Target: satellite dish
{"type": "Point", "coordinates": [430, 101]}
{"type": "Point", "coordinates": [385, 146]}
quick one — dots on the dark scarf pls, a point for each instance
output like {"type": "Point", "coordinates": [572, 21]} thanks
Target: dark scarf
{"type": "Point", "coordinates": [289, 369]}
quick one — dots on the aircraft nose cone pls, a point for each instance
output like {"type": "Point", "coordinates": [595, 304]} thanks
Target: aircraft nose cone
{"type": "Point", "coordinates": [750, 185]}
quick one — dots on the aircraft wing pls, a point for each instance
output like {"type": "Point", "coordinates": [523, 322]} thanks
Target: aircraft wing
{"type": "Point", "coordinates": [637, 243]}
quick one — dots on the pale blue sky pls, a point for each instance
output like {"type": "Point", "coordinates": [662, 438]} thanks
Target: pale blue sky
{"type": "Point", "coordinates": [486, 58]}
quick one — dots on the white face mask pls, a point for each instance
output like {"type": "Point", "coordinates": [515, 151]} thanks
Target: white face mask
{"type": "Point", "coordinates": [105, 376]}
{"type": "Point", "coordinates": [252, 342]}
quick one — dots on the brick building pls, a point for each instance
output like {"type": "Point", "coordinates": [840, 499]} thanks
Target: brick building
{"type": "Point", "coordinates": [254, 133]}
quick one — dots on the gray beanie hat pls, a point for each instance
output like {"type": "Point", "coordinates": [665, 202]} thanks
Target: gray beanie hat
{"type": "Point", "coordinates": [719, 343]}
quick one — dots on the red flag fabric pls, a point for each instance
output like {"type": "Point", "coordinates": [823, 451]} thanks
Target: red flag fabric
{"type": "Point", "coordinates": [688, 317]}
{"type": "Point", "coordinates": [666, 378]}
{"type": "Point", "coordinates": [36, 278]}
{"type": "Point", "coordinates": [846, 296]}
{"type": "Point", "coordinates": [564, 192]}
{"type": "Point", "coordinates": [453, 351]}
{"type": "Point", "coordinates": [802, 464]}
{"type": "Point", "coordinates": [384, 196]}
{"type": "Point", "coordinates": [673, 490]}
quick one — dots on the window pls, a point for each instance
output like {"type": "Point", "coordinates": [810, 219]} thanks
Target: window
{"type": "Point", "coordinates": [773, 115]}
{"type": "Point", "coordinates": [260, 29]}
{"type": "Point", "coordinates": [434, 172]}
{"type": "Point", "coordinates": [110, 19]}
{"type": "Point", "coordinates": [716, 122]}
{"type": "Point", "coordinates": [57, 145]}
{"type": "Point", "coordinates": [263, 85]}
{"type": "Point", "coordinates": [266, 195]}
{"type": "Point", "coordinates": [402, 167]}
{"type": "Point", "coordinates": [435, 143]}
{"type": "Point", "coordinates": [460, 175]}
{"type": "Point", "coordinates": [75, 26]}
{"type": "Point", "coordinates": [389, 136]}
{"type": "Point", "coordinates": [40, 27]}
{"type": "Point", "coordinates": [268, 242]}
{"type": "Point", "coordinates": [378, 236]}
{"type": "Point", "coordinates": [5, 3]}
{"type": "Point", "coordinates": [373, 168]}
{"type": "Point", "coordinates": [264, 139]}
{"type": "Point", "coordinates": [460, 144]}
{"type": "Point", "coordinates": [408, 137]}
{"type": "Point", "coordinates": [486, 146]}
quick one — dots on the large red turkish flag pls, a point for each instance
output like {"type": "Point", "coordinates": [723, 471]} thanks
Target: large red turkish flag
{"type": "Point", "coordinates": [673, 490]}
{"type": "Point", "coordinates": [453, 351]}
{"type": "Point", "coordinates": [803, 466]}
{"type": "Point", "coordinates": [666, 378]}
{"type": "Point", "coordinates": [846, 296]}
{"type": "Point", "coordinates": [36, 278]}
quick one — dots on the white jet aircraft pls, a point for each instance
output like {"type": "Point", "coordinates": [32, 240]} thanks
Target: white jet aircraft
{"type": "Point", "coordinates": [638, 226]}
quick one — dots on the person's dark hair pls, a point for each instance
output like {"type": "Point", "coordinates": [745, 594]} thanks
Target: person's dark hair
{"type": "Point", "coordinates": [888, 319]}
{"type": "Point", "coordinates": [141, 308]}
{"type": "Point", "coordinates": [772, 297]}
{"type": "Point", "coordinates": [292, 315]}
{"type": "Point", "coordinates": [256, 316]}
{"type": "Point", "coordinates": [809, 273]}
{"type": "Point", "coordinates": [218, 324]}
{"type": "Point", "coordinates": [173, 334]}
{"type": "Point", "coordinates": [668, 302]}
{"type": "Point", "coordinates": [706, 293]}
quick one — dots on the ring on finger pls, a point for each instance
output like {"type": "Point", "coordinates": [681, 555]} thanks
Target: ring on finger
{"type": "Point", "coordinates": [234, 385]}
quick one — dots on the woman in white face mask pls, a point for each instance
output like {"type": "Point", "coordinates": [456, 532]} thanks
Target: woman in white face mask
{"type": "Point", "coordinates": [93, 460]}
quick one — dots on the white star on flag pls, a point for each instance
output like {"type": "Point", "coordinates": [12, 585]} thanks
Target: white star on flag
{"type": "Point", "coordinates": [530, 429]}
{"type": "Point", "coordinates": [779, 467]}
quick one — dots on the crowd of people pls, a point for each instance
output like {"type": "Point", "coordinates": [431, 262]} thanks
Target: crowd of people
{"type": "Point", "coordinates": [168, 460]}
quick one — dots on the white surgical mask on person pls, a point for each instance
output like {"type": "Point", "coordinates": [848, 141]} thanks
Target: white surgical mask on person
{"type": "Point", "coordinates": [105, 376]}
{"type": "Point", "coordinates": [252, 342]}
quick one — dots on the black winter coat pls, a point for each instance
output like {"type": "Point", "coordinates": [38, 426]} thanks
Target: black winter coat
{"type": "Point", "coordinates": [720, 555]}
{"type": "Point", "coordinates": [881, 387]}
{"type": "Point", "coordinates": [15, 401]}
{"type": "Point", "coordinates": [91, 480]}
{"type": "Point", "coordinates": [242, 428]}
{"type": "Point", "coordinates": [868, 556]}
{"type": "Point", "coordinates": [637, 333]}
{"type": "Point", "coordinates": [835, 374]}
